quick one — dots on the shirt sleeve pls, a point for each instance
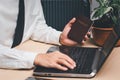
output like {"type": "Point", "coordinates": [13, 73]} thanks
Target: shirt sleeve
{"type": "Point", "coordinates": [42, 31]}
{"type": "Point", "coordinates": [16, 59]}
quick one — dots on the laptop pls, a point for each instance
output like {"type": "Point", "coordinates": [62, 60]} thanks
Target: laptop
{"type": "Point", "coordinates": [88, 60]}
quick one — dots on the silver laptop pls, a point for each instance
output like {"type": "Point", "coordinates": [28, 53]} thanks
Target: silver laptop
{"type": "Point", "coordinates": [89, 60]}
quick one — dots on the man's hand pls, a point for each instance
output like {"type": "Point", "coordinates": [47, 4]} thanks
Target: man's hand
{"type": "Point", "coordinates": [56, 60]}
{"type": "Point", "coordinates": [63, 37]}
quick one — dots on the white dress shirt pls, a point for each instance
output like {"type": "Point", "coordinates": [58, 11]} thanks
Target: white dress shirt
{"type": "Point", "coordinates": [35, 29]}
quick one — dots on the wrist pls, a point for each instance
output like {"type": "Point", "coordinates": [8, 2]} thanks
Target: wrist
{"type": "Point", "coordinates": [36, 60]}
{"type": "Point", "coordinates": [61, 39]}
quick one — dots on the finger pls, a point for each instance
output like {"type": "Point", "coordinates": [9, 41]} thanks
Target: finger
{"type": "Point", "coordinates": [86, 37]}
{"type": "Point", "coordinates": [60, 67]}
{"type": "Point", "coordinates": [69, 42]}
{"type": "Point", "coordinates": [88, 34]}
{"type": "Point", "coordinates": [68, 59]}
{"type": "Point", "coordinates": [65, 63]}
{"type": "Point", "coordinates": [82, 42]}
{"type": "Point", "coordinates": [71, 22]}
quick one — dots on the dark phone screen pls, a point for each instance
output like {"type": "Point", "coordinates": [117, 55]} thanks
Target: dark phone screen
{"type": "Point", "coordinates": [79, 28]}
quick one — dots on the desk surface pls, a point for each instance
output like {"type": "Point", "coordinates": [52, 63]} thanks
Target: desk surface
{"type": "Point", "coordinates": [109, 71]}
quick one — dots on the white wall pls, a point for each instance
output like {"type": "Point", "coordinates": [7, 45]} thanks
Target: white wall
{"type": "Point", "coordinates": [94, 4]}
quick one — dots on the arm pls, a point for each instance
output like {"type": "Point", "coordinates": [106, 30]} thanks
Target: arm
{"type": "Point", "coordinates": [42, 31]}
{"type": "Point", "coordinates": [15, 59]}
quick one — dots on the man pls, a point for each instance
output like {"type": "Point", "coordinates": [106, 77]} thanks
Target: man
{"type": "Point", "coordinates": [35, 28]}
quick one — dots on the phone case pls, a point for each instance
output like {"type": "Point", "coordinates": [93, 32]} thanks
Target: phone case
{"type": "Point", "coordinates": [79, 28]}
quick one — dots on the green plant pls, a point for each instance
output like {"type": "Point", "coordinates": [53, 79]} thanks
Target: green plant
{"type": "Point", "coordinates": [105, 18]}
{"type": "Point", "coordinates": [107, 6]}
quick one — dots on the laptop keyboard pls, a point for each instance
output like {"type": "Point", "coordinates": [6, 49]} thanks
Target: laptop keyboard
{"type": "Point", "coordinates": [82, 56]}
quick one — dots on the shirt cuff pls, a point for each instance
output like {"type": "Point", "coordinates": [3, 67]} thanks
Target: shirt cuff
{"type": "Point", "coordinates": [29, 62]}
{"type": "Point", "coordinates": [58, 37]}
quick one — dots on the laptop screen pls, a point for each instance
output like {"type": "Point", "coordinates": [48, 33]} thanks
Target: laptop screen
{"type": "Point", "coordinates": [112, 38]}
{"type": "Point", "coordinates": [109, 43]}
{"type": "Point", "coordinates": [107, 48]}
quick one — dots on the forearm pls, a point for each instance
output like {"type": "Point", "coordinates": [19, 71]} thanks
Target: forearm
{"type": "Point", "coordinates": [15, 59]}
{"type": "Point", "coordinates": [46, 34]}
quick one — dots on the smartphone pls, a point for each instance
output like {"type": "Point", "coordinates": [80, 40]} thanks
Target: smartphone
{"type": "Point", "coordinates": [79, 28]}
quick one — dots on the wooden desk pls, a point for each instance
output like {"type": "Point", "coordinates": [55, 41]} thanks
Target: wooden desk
{"type": "Point", "coordinates": [109, 71]}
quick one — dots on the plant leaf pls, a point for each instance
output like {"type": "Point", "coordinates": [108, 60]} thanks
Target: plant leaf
{"type": "Point", "coordinates": [99, 12]}
{"type": "Point", "coordinates": [103, 2]}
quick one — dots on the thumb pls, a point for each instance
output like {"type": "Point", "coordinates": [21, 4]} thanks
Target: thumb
{"type": "Point", "coordinates": [71, 22]}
